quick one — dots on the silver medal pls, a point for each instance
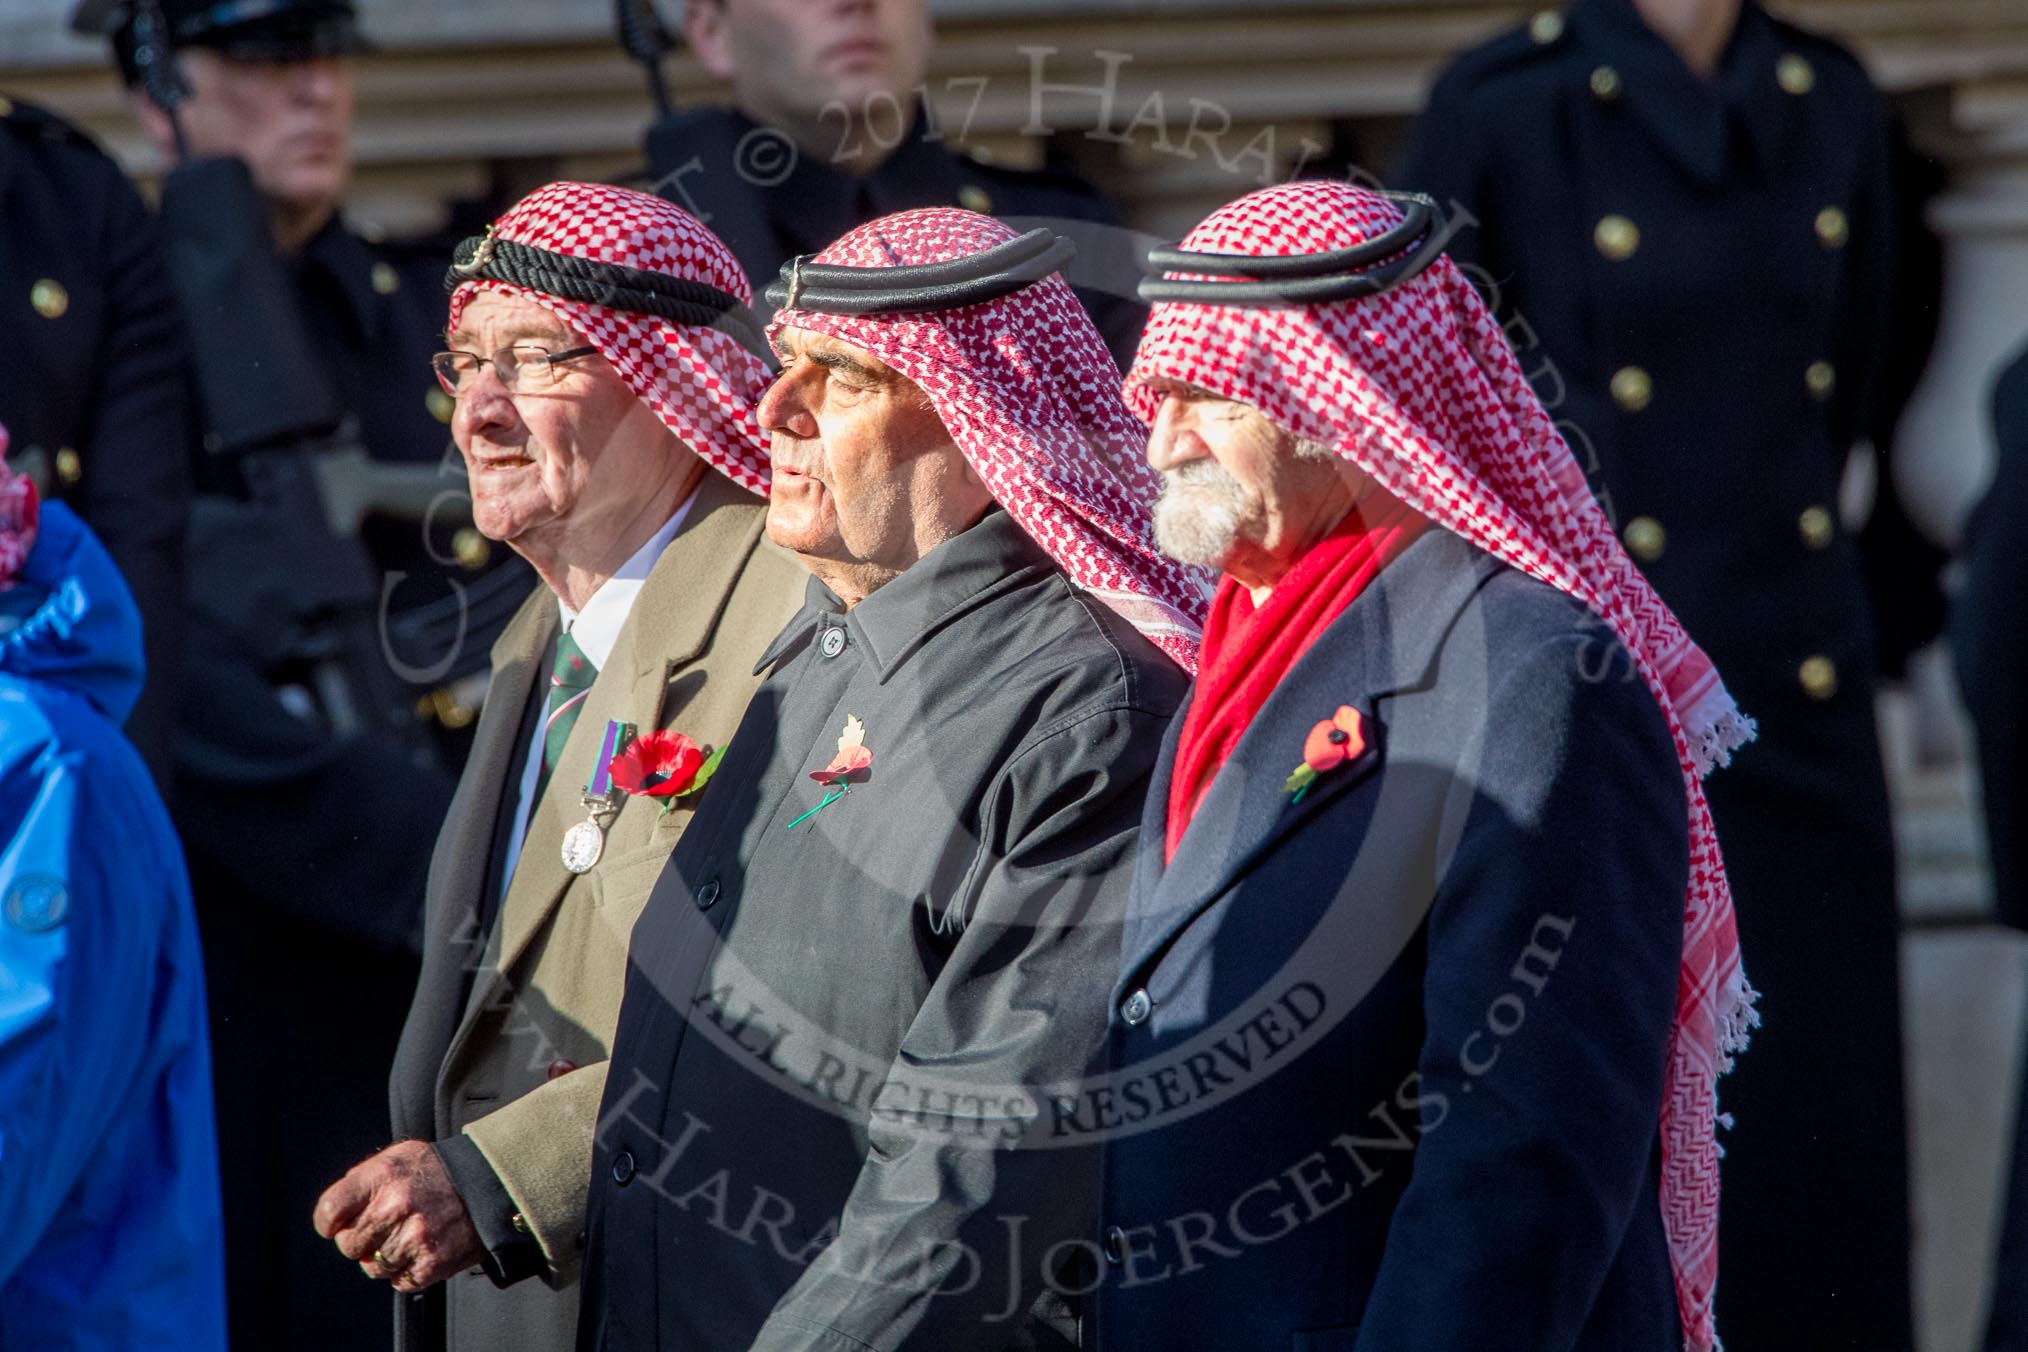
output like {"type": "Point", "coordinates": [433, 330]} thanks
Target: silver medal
{"type": "Point", "coordinates": [582, 845]}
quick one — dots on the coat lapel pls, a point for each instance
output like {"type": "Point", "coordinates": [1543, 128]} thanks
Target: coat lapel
{"type": "Point", "coordinates": [458, 870]}
{"type": "Point", "coordinates": [1385, 642]}
{"type": "Point", "coordinates": [491, 772]}
{"type": "Point", "coordinates": [670, 625]}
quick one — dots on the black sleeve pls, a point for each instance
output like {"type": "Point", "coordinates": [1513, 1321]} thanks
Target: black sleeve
{"type": "Point", "coordinates": [1889, 322]}
{"type": "Point", "coordinates": [1444, 158]}
{"type": "Point", "coordinates": [136, 458]}
{"type": "Point", "coordinates": [512, 1253]}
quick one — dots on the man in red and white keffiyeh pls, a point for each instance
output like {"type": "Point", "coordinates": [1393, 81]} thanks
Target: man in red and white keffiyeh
{"type": "Point", "coordinates": [606, 370]}
{"type": "Point", "coordinates": [923, 831]}
{"type": "Point", "coordinates": [1429, 842]}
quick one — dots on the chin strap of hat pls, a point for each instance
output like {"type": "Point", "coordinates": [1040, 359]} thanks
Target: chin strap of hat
{"type": "Point", "coordinates": [646, 40]}
{"type": "Point", "coordinates": [949, 285]}
{"type": "Point", "coordinates": [162, 79]}
{"type": "Point", "coordinates": [1282, 280]}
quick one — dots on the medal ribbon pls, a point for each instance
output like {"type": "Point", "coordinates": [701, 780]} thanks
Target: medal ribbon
{"type": "Point", "coordinates": [615, 740]}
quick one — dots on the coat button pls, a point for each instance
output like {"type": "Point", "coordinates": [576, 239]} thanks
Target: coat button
{"type": "Point", "coordinates": [623, 1168]}
{"type": "Point", "coordinates": [1817, 527]}
{"type": "Point", "coordinates": [1546, 27]}
{"type": "Point", "coordinates": [1795, 75]}
{"type": "Point", "coordinates": [1818, 676]}
{"type": "Point", "coordinates": [470, 548]}
{"type": "Point", "coordinates": [49, 298]}
{"type": "Point", "coordinates": [440, 404]}
{"type": "Point", "coordinates": [385, 279]}
{"type": "Point", "coordinates": [972, 197]}
{"type": "Point", "coordinates": [1632, 388]}
{"type": "Point", "coordinates": [519, 1222]}
{"type": "Point", "coordinates": [1616, 237]}
{"type": "Point", "coordinates": [69, 466]}
{"type": "Point", "coordinates": [1116, 1245]}
{"type": "Point", "coordinates": [1833, 229]}
{"type": "Point", "coordinates": [558, 1069]}
{"type": "Point", "coordinates": [832, 643]}
{"type": "Point", "coordinates": [1646, 538]}
{"type": "Point", "coordinates": [1820, 379]}
{"type": "Point", "coordinates": [1605, 83]}
{"type": "Point", "coordinates": [707, 895]}
{"type": "Point", "coordinates": [1136, 1009]}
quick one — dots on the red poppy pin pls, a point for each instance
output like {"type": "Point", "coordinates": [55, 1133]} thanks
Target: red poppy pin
{"type": "Point", "coordinates": [848, 767]}
{"type": "Point", "coordinates": [1338, 740]}
{"type": "Point", "coordinates": [664, 765]}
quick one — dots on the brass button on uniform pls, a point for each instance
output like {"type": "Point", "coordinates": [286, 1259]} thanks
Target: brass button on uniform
{"type": "Point", "coordinates": [1795, 74]}
{"type": "Point", "coordinates": [1646, 538]}
{"type": "Point", "coordinates": [1816, 527]}
{"type": "Point", "coordinates": [972, 197]}
{"type": "Point", "coordinates": [1605, 83]}
{"type": "Point", "coordinates": [1632, 388]}
{"type": "Point", "coordinates": [1546, 26]}
{"type": "Point", "coordinates": [385, 279]}
{"type": "Point", "coordinates": [440, 404]}
{"type": "Point", "coordinates": [1616, 237]}
{"type": "Point", "coordinates": [1832, 228]}
{"type": "Point", "coordinates": [1820, 379]}
{"type": "Point", "coordinates": [1818, 676]}
{"type": "Point", "coordinates": [471, 549]}
{"type": "Point", "coordinates": [49, 298]}
{"type": "Point", "coordinates": [69, 466]}
{"type": "Point", "coordinates": [519, 1222]}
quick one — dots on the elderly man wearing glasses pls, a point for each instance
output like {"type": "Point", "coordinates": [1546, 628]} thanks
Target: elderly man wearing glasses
{"type": "Point", "coordinates": [605, 373]}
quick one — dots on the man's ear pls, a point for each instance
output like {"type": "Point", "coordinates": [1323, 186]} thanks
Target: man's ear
{"type": "Point", "coordinates": [704, 27]}
{"type": "Point", "coordinates": [155, 124]}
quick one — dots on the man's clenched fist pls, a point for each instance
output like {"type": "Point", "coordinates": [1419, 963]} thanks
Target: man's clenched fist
{"type": "Point", "coordinates": [397, 1216]}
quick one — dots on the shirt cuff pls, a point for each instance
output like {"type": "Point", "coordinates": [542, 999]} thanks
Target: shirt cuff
{"type": "Point", "coordinates": [511, 1251]}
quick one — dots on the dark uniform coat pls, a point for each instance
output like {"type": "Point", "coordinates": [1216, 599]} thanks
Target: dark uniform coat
{"type": "Point", "coordinates": [837, 1025]}
{"type": "Point", "coordinates": [1991, 646]}
{"type": "Point", "coordinates": [1698, 276]}
{"type": "Point", "coordinates": [770, 201]}
{"type": "Point", "coordinates": [308, 852]}
{"type": "Point", "coordinates": [1388, 1060]}
{"type": "Point", "coordinates": [91, 388]}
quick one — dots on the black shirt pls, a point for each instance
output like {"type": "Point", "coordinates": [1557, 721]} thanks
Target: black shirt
{"type": "Point", "coordinates": [853, 1009]}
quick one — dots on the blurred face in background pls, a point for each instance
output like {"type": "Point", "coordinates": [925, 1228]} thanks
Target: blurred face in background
{"type": "Point", "coordinates": [291, 121]}
{"type": "Point", "coordinates": [788, 59]}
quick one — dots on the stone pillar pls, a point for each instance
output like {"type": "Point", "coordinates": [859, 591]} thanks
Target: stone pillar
{"type": "Point", "coordinates": [1980, 132]}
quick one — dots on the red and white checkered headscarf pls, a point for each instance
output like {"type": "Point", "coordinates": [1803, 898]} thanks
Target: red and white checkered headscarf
{"type": "Point", "coordinates": [18, 517]}
{"type": "Point", "coordinates": [1026, 388]}
{"type": "Point", "coordinates": [702, 383]}
{"type": "Point", "coordinates": [1419, 388]}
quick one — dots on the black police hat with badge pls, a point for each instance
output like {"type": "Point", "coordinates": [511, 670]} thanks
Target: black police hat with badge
{"type": "Point", "coordinates": [249, 30]}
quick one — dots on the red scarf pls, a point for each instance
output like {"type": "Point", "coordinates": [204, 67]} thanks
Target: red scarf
{"type": "Point", "coordinates": [1248, 651]}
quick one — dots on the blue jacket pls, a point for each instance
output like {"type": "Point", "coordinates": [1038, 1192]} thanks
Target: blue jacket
{"type": "Point", "coordinates": [1388, 1059]}
{"type": "Point", "coordinates": [110, 1231]}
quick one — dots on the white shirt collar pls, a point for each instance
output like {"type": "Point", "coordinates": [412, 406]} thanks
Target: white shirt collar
{"type": "Point", "coordinates": [597, 627]}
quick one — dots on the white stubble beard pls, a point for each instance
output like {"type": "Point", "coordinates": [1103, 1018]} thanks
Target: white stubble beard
{"type": "Point", "coordinates": [1199, 515]}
